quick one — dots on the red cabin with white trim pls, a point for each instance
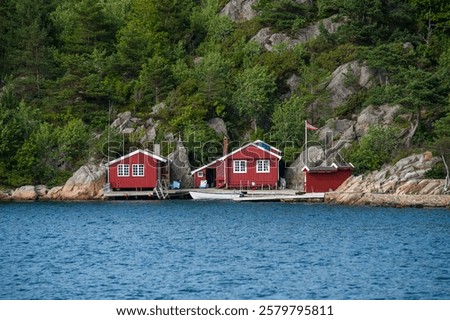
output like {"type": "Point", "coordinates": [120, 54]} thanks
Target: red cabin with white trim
{"type": "Point", "coordinates": [138, 170]}
{"type": "Point", "coordinates": [253, 166]}
{"type": "Point", "coordinates": [324, 179]}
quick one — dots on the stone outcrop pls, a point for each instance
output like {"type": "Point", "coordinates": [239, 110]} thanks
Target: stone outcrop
{"type": "Point", "coordinates": [346, 80]}
{"type": "Point", "coordinates": [405, 177]}
{"type": "Point", "coordinates": [402, 184]}
{"type": "Point", "coordinates": [294, 175]}
{"type": "Point", "coordinates": [239, 10]}
{"type": "Point", "coordinates": [86, 184]}
{"type": "Point", "coordinates": [391, 200]}
{"type": "Point", "coordinates": [269, 39]}
{"type": "Point", "coordinates": [219, 126]}
{"type": "Point", "coordinates": [4, 196]}
{"type": "Point", "coordinates": [25, 193]}
{"type": "Point", "coordinates": [180, 168]}
{"type": "Point", "coordinates": [341, 134]}
{"type": "Point", "coordinates": [383, 115]}
{"type": "Point", "coordinates": [126, 124]}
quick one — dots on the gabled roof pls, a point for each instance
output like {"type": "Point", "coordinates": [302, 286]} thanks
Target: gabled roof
{"type": "Point", "coordinates": [146, 152]}
{"type": "Point", "coordinates": [255, 144]}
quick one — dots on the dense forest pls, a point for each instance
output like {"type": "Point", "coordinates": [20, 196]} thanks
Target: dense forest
{"type": "Point", "coordinates": [68, 67]}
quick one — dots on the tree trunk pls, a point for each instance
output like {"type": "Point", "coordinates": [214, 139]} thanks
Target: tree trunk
{"type": "Point", "coordinates": [254, 125]}
{"type": "Point", "coordinates": [411, 133]}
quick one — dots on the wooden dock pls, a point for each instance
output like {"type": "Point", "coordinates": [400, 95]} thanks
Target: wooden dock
{"type": "Point", "coordinates": [145, 195]}
{"type": "Point", "coordinates": [250, 195]}
{"type": "Point", "coordinates": [307, 197]}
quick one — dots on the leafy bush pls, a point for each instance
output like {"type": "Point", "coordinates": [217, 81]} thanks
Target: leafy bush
{"type": "Point", "coordinates": [376, 148]}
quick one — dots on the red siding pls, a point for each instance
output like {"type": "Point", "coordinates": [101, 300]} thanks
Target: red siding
{"type": "Point", "coordinates": [225, 175]}
{"type": "Point", "coordinates": [325, 181]}
{"type": "Point", "coordinates": [148, 181]}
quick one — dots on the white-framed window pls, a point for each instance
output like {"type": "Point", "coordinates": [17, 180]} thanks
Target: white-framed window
{"type": "Point", "coordinates": [200, 174]}
{"type": "Point", "coordinates": [240, 166]}
{"type": "Point", "coordinates": [138, 170]}
{"type": "Point", "coordinates": [262, 166]}
{"type": "Point", "coordinates": [123, 170]}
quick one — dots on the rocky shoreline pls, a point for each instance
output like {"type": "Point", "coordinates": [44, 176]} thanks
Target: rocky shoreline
{"type": "Point", "coordinates": [400, 185]}
{"type": "Point", "coordinates": [388, 200]}
{"type": "Point", "coordinates": [34, 193]}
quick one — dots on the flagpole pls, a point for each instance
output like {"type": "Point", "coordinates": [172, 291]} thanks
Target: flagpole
{"type": "Point", "coordinates": [306, 143]}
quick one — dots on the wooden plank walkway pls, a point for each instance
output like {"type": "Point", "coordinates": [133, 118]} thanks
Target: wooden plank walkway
{"type": "Point", "coordinates": [146, 194]}
{"type": "Point", "coordinates": [307, 197]}
{"type": "Point", "coordinates": [250, 196]}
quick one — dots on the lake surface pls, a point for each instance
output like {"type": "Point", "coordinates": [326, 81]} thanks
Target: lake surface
{"type": "Point", "coordinates": [221, 250]}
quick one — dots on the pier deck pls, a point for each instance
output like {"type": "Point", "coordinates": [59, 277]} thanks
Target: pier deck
{"type": "Point", "coordinates": [146, 194]}
{"type": "Point", "coordinates": [307, 197]}
{"type": "Point", "coordinates": [288, 195]}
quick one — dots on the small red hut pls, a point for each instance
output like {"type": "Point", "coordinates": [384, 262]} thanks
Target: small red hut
{"type": "Point", "coordinates": [324, 179]}
{"type": "Point", "coordinates": [138, 170]}
{"type": "Point", "coordinates": [254, 166]}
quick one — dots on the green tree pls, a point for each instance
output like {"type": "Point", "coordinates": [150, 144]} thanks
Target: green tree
{"type": "Point", "coordinates": [35, 158]}
{"type": "Point", "coordinates": [84, 26]}
{"type": "Point", "coordinates": [253, 95]}
{"type": "Point", "coordinates": [282, 15]}
{"type": "Point", "coordinates": [433, 15]}
{"type": "Point", "coordinates": [375, 148]}
{"type": "Point", "coordinates": [212, 75]}
{"type": "Point", "coordinates": [25, 50]}
{"type": "Point", "coordinates": [72, 144]}
{"type": "Point", "coordinates": [17, 122]}
{"type": "Point", "coordinates": [372, 21]}
{"type": "Point", "coordinates": [288, 119]}
{"type": "Point", "coordinates": [155, 80]}
{"type": "Point", "coordinates": [419, 90]}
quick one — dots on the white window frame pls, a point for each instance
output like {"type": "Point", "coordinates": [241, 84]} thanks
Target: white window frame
{"type": "Point", "coordinates": [240, 166]}
{"type": "Point", "coordinates": [138, 170]}
{"type": "Point", "coordinates": [123, 170]}
{"type": "Point", "coordinates": [263, 166]}
{"type": "Point", "coordinates": [200, 174]}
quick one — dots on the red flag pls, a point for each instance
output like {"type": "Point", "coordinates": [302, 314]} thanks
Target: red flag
{"type": "Point", "coordinates": [310, 127]}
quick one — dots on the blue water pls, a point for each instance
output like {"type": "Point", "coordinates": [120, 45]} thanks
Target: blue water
{"type": "Point", "coordinates": [222, 250]}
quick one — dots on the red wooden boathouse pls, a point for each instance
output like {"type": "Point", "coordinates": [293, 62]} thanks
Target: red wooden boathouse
{"type": "Point", "coordinates": [324, 179]}
{"type": "Point", "coordinates": [138, 170]}
{"type": "Point", "coordinates": [254, 165]}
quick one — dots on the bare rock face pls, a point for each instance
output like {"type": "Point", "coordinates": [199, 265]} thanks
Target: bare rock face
{"type": "Point", "coordinates": [180, 168]}
{"type": "Point", "coordinates": [122, 122]}
{"type": "Point", "coordinates": [239, 10]}
{"type": "Point", "coordinates": [4, 196]}
{"type": "Point", "coordinates": [294, 175]}
{"type": "Point", "coordinates": [380, 115]}
{"type": "Point", "coordinates": [268, 39]}
{"type": "Point", "coordinates": [25, 193]}
{"type": "Point", "coordinates": [392, 200]}
{"type": "Point", "coordinates": [54, 193]}
{"type": "Point", "coordinates": [86, 184]}
{"type": "Point", "coordinates": [406, 177]}
{"type": "Point", "coordinates": [41, 190]}
{"type": "Point", "coordinates": [347, 80]}
{"type": "Point", "coordinates": [219, 126]}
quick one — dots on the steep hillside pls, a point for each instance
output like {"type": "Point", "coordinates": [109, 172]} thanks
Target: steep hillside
{"type": "Point", "coordinates": [76, 74]}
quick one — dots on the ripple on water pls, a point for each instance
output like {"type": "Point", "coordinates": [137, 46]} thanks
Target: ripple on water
{"type": "Point", "coordinates": [202, 250]}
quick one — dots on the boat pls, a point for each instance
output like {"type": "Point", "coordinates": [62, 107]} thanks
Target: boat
{"type": "Point", "coordinates": [205, 195]}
